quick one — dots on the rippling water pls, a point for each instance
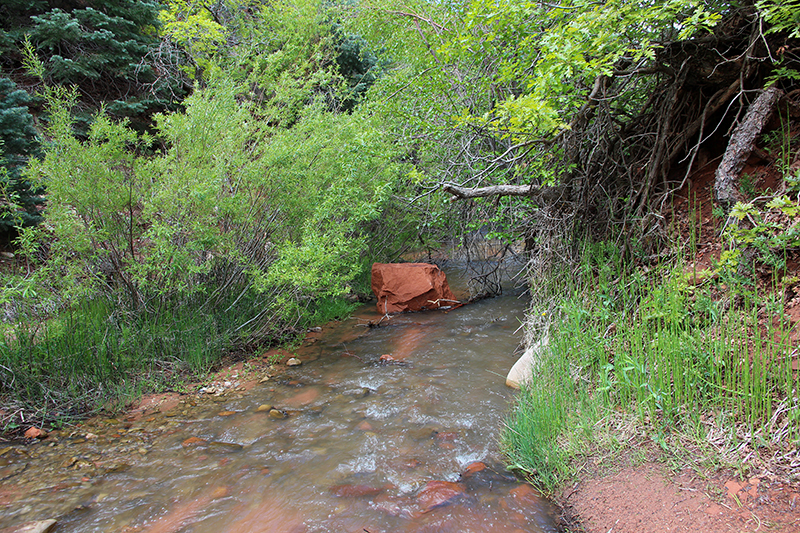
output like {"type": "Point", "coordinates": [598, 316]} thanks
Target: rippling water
{"type": "Point", "coordinates": [365, 446]}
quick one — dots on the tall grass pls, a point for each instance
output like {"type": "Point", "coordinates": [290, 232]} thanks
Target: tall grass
{"type": "Point", "coordinates": [657, 346]}
{"type": "Point", "coordinates": [98, 353]}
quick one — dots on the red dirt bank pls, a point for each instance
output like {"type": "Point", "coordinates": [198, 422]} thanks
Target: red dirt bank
{"type": "Point", "coordinates": [645, 499]}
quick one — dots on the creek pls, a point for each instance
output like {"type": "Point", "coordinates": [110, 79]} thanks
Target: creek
{"type": "Point", "coordinates": [353, 444]}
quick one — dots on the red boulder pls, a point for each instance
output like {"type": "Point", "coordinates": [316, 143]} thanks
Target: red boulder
{"type": "Point", "coordinates": [403, 287]}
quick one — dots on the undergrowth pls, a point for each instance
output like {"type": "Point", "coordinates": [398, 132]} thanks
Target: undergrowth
{"type": "Point", "coordinates": [662, 345]}
{"type": "Point", "coordinates": [99, 355]}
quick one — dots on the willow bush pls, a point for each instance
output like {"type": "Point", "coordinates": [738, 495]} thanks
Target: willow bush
{"type": "Point", "coordinates": [161, 253]}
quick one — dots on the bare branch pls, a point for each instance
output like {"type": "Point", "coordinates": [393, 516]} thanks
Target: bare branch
{"type": "Point", "coordinates": [462, 193]}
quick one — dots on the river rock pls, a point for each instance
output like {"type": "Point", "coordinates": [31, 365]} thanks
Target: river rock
{"type": "Point", "coordinates": [478, 475]}
{"type": "Point", "coordinates": [402, 287]}
{"type": "Point", "coordinates": [35, 433]}
{"type": "Point", "coordinates": [522, 497]}
{"type": "Point", "coordinates": [226, 446]}
{"type": "Point", "coordinates": [263, 407]}
{"type": "Point", "coordinates": [440, 493]}
{"type": "Point", "coordinates": [355, 491]}
{"type": "Point", "coordinates": [193, 441]}
{"type": "Point", "coordinates": [523, 369]}
{"type": "Point", "coordinates": [294, 361]}
{"type": "Point", "coordinates": [39, 526]}
{"type": "Point", "coordinates": [277, 414]}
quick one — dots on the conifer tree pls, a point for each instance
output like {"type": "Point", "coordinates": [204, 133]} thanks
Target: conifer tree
{"type": "Point", "coordinates": [18, 201]}
{"type": "Point", "coordinates": [107, 48]}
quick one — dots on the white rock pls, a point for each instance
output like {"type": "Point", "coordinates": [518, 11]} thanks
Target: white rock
{"type": "Point", "coordinates": [522, 371]}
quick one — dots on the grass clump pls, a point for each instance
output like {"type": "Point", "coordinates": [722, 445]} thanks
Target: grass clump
{"type": "Point", "coordinates": [692, 364]}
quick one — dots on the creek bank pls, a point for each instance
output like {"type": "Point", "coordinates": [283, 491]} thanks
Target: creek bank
{"type": "Point", "coordinates": [648, 497]}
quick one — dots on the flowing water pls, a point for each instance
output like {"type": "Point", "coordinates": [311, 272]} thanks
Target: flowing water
{"type": "Point", "coordinates": [405, 445]}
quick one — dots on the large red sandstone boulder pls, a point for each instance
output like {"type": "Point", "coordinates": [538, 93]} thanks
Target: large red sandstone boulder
{"type": "Point", "coordinates": [410, 287]}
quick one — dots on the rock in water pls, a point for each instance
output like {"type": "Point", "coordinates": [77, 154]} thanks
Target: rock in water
{"type": "Point", "coordinates": [40, 526]}
{"type": "Point", "coordinates": [440, 493]}
{"type": "Point", "coordinates": [277, 414]}
{"type": "Point", "coordinates": [403, 287]}
{"type": "Point", "coordinates": [523, 370]}
{"type": "Point", "coordinates": [35, 433]}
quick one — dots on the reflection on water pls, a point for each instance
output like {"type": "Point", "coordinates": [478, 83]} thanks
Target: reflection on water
{"type": "Point", "coordinates": [365, 445]}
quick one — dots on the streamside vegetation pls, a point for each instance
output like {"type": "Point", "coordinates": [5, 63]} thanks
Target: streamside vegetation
{"type": "Point", "coordinates": [699, 363]}
{"type": "Point", "coordinates": [185, 179]}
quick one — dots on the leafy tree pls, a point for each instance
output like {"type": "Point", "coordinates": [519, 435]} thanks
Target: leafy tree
{"type": "Point", "coordinates": [19, 203]}
{"type": "Point", "coordinates": [578, 110]}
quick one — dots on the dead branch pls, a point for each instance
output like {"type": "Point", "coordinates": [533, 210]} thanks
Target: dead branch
{"type": "Point", "coordinates": [544, 193]}
{"type": "Point", "coordinates": [726, 190]}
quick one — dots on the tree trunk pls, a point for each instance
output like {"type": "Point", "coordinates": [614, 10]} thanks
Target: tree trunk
{"type": "Point", "coordinates": [726, 190]}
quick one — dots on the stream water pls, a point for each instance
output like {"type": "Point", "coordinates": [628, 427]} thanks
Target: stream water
{"type": "Point", "coordinates": [353, 444]}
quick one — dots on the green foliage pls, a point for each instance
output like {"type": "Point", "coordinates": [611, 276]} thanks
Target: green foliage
{"type": "Point", "coordinates": [783, 15]}
{"type": "Point", "coordinates": [94, 353]}
{"type": "Point", "coordinates": [768, 225]}
{"type": "Point", "coordinates": [335, 175]}
{"type": "Point", "coordinates": [359, 67]}
{"type": "Point", "coordinates": [192, 27]}
{"type": "Point", "coordinates": [19, 202]}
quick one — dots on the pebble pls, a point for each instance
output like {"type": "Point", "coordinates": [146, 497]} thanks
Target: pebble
{"type": "Point", "coordinates": [294, 361]}
{"type": "Point", "coordinates": [226, 413]}
{"type": "Point", "coordinates": [35, 433]}
{"type": "Point", "coordinates": [277, 414]}
{"type": "Point", "coordinates": [263, 407]}
{"type": "Point", "coordinates": [192, 441]}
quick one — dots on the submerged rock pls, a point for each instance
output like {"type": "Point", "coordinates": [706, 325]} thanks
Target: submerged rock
{"type": "Point", "coordinates": [225, 446]}
{"type": "Point", "coordinates": [39, 526]}
{"type": "Point", "coordinates": [355, 491]}
{"type": "Point", "coordinates": [441, 493]}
